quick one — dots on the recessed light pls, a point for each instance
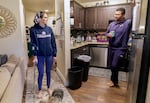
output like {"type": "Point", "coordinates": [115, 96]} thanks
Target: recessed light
{"type": "Point", "coordinates": [46, 10]}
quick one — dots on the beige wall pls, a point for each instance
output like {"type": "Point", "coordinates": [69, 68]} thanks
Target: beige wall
{"type": "Point", "coordinates": [29, 16]}
{"type": "Point", "coordinates": [60, 39]}
{"type": "Point", "coordinates": [67, 37]}
{"type": "Point", "coordinates": [62, 8]}
{"type": "Point", "coordinates": [15, 43]}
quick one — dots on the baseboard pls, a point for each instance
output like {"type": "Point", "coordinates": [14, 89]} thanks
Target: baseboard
{"type": "Point", "coordinates": [65, 82]}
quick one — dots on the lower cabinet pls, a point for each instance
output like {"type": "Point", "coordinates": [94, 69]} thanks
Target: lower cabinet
{"type": "Point", "coordinates": [98, 53]}
{"type": "Point", "coordinates": [84, 50]}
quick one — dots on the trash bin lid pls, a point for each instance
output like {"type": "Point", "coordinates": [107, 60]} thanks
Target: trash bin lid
{"type": "Point", "coordinates": [84, 58]}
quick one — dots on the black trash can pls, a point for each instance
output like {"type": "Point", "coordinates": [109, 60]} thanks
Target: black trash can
{"type": "Point", "coordinates": [75, 77]}
{"type": "Point", "coordinates": [83, 61]}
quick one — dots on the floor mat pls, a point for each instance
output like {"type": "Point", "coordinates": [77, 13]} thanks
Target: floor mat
{"type": "Point", "coordinates": [31, 91]}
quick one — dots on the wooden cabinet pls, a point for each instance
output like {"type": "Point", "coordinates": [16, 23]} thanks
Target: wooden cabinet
{"type": "Point", "coordinates": [78, 15]}
{"type": "Point", "coordinates": [98, 17]}
{"type": "Point", "coordinates": [84, 50]}
{"type": "Point", "coordinates": [94, 17]}
{"type": "Point", "coordinates": [90, 18]}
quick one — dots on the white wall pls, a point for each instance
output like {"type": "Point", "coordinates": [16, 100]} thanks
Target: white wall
{"type": "Point", "coordinates": [15, 43]}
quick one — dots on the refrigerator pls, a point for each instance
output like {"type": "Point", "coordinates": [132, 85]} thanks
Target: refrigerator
{"type": "Point", "coordinates": [139, 54]}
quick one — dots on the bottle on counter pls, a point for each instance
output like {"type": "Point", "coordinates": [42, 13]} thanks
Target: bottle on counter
{"type": "Point", "coordinates": [78, 39]}
{"type": "Point", "coordinates": [88, 38]}
{"type": "Point", "coordinates": [82, 38]}
{"type": "Point", "coordinates": [72, 41]}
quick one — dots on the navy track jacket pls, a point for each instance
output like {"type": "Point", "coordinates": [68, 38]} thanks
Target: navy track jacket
{"type": "Point", "coordinates": [43, 41]}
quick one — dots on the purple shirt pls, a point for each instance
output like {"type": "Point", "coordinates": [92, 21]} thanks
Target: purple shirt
{"type": "Point", "coordinates": [122, 31]}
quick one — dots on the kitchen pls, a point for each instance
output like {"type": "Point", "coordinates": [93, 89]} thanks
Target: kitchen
{"type": "Point", "coordinates": [90, 24]}
{"type": "Point", "coordinates": [95, 44]}
{"type": "Point", "coordinates": [96, 26]}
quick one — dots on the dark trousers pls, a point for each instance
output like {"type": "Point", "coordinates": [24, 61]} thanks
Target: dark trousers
{"type": "Point", "coordinates": [113, 63]}
{"type": "Point", "coordinates": [114, 75]}
{"type": "Point", "coordinates": [48, 61]}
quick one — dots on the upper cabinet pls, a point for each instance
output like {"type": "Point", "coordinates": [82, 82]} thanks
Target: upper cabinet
{"type": "Point", "coordinates": [90, 18]}
{"type": "Point", "coordinates": [77, 12]}
{"type": "Point", "coordinates": [99, 17]}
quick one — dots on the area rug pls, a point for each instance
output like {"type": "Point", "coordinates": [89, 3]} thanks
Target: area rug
{"type": "Point", "coordinates": [31, 89]}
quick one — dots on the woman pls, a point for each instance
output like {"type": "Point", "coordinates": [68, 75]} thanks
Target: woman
{"type": "Point", "coordinates": [44, 48]}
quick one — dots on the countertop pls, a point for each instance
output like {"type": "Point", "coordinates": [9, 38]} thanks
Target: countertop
{"type": "Point", "coordinates": [78, 45]}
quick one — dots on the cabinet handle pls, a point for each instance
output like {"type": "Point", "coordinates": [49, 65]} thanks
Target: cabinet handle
{"type": "Point", "coordinates": [93, 25]}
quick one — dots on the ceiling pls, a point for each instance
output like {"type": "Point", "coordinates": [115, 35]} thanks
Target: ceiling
{"type": "Point", "coordinates": [37, 5]}
{"type": "Point", "coordinates": [85, 1]}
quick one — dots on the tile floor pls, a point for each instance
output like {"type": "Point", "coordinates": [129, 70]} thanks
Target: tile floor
{"type": "Point", "coordinates": [106, 73]}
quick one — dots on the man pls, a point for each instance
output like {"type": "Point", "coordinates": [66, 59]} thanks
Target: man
{"type": "Point", "coordinates": [118, 34]}
{"type": "Point", "coordinates": [43, 42]}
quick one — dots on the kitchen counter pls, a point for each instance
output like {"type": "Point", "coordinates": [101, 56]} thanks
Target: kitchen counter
{"type": "Point", "coordinates": [78, 45]}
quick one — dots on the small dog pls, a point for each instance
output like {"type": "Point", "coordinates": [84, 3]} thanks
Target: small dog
{"type": "Point", "coordinates": [56, 97]}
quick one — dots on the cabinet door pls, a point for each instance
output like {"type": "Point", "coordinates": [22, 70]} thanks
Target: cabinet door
{"type": "Point", "coordinates": [110, 13]}
{"type": "Point", "coordinates": [98, 17]}
{"type": "Point", "coordinates": [78, 12]}
{"type": "Point", "coordinates": [79, 51]}
{"type": "Point", "coordinates": [76, 15]}
{"type": "Point", "coordinates": [71, 9]}
{"type": "Point", "coordinates": [128, 11]}
{"type": "Point", "coordinates": [108, 16]}
{"type": "Point", "coordinates": [90, 18]}
{"type": "Point", "coordinates": [82, 18]}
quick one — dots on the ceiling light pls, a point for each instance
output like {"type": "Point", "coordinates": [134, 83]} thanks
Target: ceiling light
{"type": "Point", "coordinates": [46, 10]}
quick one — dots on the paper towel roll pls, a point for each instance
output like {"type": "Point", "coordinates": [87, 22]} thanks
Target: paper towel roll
{"type": "Point", "coordinates": [136, 17]}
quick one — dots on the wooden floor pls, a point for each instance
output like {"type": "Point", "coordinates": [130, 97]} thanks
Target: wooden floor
{"type": "Point", "coordinates": [96, 90]}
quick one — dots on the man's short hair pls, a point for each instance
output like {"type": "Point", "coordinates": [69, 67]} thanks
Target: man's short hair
{"type": "Point", "coordinates": [123, 11]}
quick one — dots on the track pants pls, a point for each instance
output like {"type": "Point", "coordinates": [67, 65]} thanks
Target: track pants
{"type": "Point", "coordinates": [114, 58]}
{"type": "Point", "coordinates": [48, 61]}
